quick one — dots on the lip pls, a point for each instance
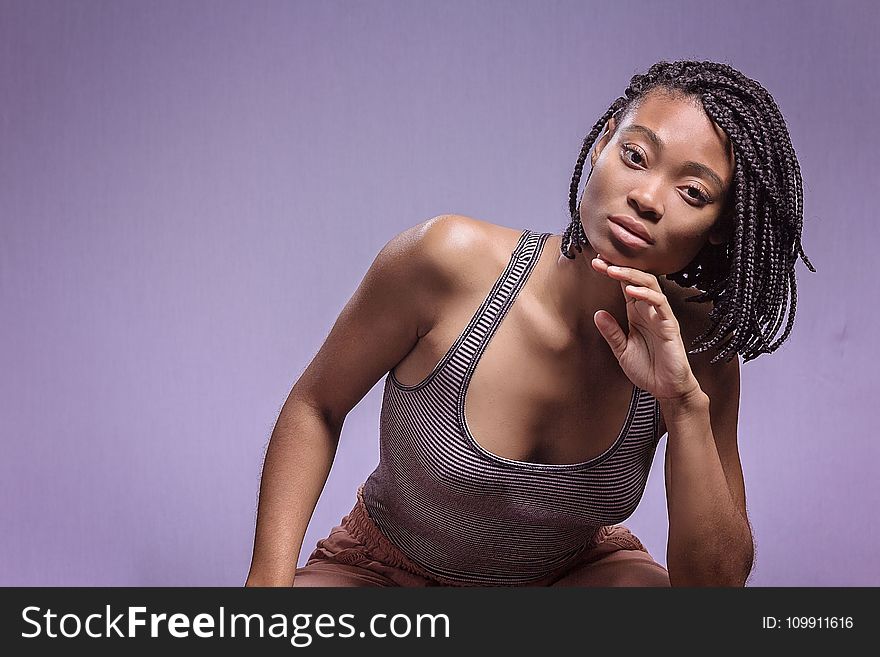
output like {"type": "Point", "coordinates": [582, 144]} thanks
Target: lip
{"type": "Point", "coordinates": [626, 238]}
{"type": "Point", "coordinates": [633, 227]}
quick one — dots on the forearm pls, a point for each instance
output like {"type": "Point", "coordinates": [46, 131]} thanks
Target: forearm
{"type": "Point", "coordinates": [295, 470]}
{"type": "Point", "coordinates": [710, 542]}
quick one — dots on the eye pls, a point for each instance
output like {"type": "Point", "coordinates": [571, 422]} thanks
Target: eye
{"type": "Point", "coordinates": [632, 148]}
{"type": "Point", "coordinates": [701, 196]}
{"type": "Point", "coordinates": [694, 192]}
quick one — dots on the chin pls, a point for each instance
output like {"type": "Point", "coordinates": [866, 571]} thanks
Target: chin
{"type": "Point", "coordinates": [620, 254]}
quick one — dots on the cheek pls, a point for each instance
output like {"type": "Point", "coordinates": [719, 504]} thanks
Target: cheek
{"type": "Point", "coordinates": [683, 246]}
{"type": "Point", "coordinates": [601, 188]}
{"type": "Point", "coordinates": [692, 232]}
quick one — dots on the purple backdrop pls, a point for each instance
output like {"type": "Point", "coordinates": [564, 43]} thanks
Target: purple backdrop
{"type": "Point", "coordinates": [190, 192]}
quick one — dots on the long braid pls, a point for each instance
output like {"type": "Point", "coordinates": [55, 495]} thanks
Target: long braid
{"type": "Point", "coordinates": [574, 236]}
{"type": "Point", "coordinates": [749, 278]}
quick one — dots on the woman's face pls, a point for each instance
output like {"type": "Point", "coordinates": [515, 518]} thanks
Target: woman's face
{"type": "Point", "coordinates": [656, 167]}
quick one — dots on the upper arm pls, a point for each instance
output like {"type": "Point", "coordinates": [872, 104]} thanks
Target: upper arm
{"type": "Point", "coordinates": [721, 383]}
{"type": "Point", "coordinates": [392, 307]}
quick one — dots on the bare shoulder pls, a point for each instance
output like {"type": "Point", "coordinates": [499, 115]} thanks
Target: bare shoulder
{"type": "Point", "coordinates": [432, 265]}
{"type": "Point", "coordinates": [449, 235]}
{"type": "Point", "coordinates": [460, 248]}
{"type": "Point", "coordinates": [458, 232]}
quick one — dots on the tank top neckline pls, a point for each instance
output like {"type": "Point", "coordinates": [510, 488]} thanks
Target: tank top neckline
{"type": "Point", "coordinates": [531, 261]}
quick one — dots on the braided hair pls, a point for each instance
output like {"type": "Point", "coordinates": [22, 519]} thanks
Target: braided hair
{"type": "Point", "coordinates": [747, 278]}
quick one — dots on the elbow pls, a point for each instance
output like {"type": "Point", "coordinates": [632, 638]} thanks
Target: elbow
{"type": "Point", "coordinates": [692, 578]}
{"type": "Point", "coordinates": [731, 570]}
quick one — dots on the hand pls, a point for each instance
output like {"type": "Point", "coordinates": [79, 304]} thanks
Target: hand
{"type": "Point", "coordinates": [653, 355]}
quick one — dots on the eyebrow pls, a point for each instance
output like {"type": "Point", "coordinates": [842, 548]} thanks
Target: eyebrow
{"type": "Point", "coordinates": [689, 165]}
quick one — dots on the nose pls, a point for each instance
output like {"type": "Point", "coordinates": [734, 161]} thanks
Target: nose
{"type": "Point", "coordinates": [646, 198]}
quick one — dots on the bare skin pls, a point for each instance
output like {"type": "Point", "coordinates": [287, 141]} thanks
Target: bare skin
{"type": "Point", "coordinates": [547, 374]}
{"type": "Point", "coordinates": [535, 387]}
{"type": "Point", "coordinates": [539, 383]}
{"type": "Point", "coordinates": [548, 388]}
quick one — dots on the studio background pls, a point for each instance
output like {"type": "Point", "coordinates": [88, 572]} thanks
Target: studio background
{"type": "Point", "coordinates": [191, 191]}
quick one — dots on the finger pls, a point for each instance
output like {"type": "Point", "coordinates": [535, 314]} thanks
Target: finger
{"type": "Point", "coordinates": [611, 331]}
{"type": "Point", "coordinates": [599, 265]}
{"type": "Point", "coordinates": [656, 299]}
{"type": "Point", "coordinates": [632, 275]}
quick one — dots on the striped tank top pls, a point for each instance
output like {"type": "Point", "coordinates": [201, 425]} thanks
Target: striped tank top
{"type": "Point", "coordinates": [466, 514]}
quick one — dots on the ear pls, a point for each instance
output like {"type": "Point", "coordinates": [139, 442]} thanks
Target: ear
{"type": "Point", "coordinates": [603, 140]}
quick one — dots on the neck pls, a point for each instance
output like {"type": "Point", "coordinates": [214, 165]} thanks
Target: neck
{"type": "Point", "coordinates": [578, 291]}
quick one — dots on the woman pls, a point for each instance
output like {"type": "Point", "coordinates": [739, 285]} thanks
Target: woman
{"type": "Point", "coordinates": [531, 375]}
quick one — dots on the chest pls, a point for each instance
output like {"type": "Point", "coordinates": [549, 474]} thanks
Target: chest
{"type": "Point", "coordinates": [537, 393]}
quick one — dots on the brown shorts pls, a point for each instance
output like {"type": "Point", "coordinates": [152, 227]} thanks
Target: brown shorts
{"type": "Point", "coordinates": [356, 553]}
